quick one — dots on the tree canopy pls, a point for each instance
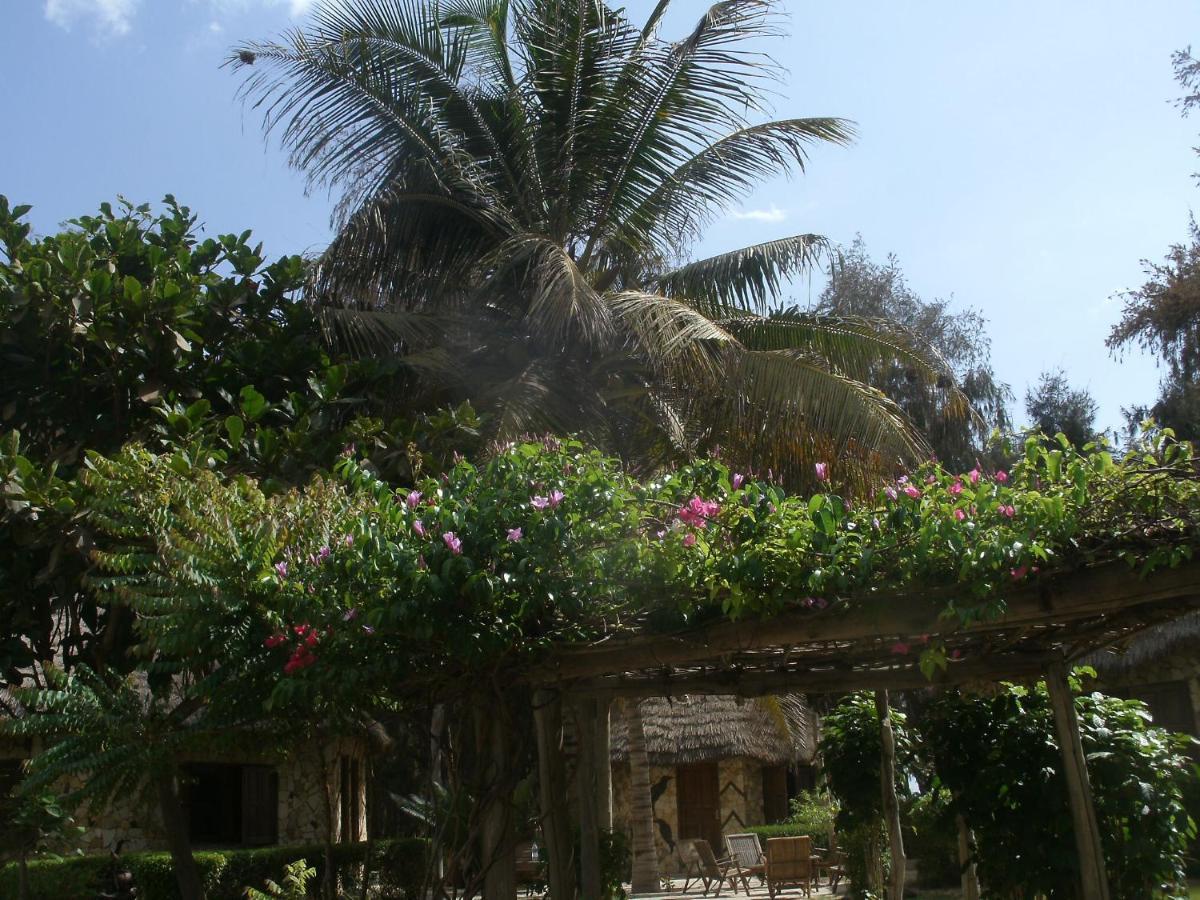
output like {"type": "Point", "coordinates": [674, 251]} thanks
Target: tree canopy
{"type": "Point", "coordinates": [521, 181]}
{"type": "Point", "coordinates": [1054, 407]}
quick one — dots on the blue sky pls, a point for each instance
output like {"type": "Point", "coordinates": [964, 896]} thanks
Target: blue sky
{"type": "Point", "coordinates": [1021, 156]}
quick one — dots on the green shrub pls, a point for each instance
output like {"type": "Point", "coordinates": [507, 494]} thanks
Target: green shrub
{"type": "Point", "coordinates": [932, 839]}
{"type": "Point", "coordinates": [225, 873]}
{"type": "Point", "coordinates": [61, 879]}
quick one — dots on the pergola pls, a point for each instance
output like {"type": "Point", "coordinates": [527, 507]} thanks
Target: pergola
{"type": "Point", "coordinates": [864, 643]}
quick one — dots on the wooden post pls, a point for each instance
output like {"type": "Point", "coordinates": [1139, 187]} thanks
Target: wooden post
{"type": "Point", "coordinates": [970, 877]}
{"type": "Point", "coordinates": [887, 784]}
{"type": "Point", "coordinates": [1092, 873]}
{"type": "Point", "coordinates": [641, 811]}
{"type": "Point", "coordinates": [604, 763]}
{"type": "Point", "coordinates": [497, 840]}
{"type": "Point", "coordinates": [552, 780]}
{"type": "Point", "coordinates": [586, 716]}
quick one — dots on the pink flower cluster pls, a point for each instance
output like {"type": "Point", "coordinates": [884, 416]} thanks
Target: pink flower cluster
{"type": "Point", "coordinates": [550, 501]}
{"type": "Point", "coordinates": [697, 511]}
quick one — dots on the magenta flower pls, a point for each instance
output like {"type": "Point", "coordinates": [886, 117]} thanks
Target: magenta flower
{"type": "Point", "coordinates": [539, 502]}
{"type": "Point", "coordinates": [737, 480]}
{"type": "Point", "coordinates": [421, 564]}
{"type": "Point", "coordinates": [974, 475]}
{"type": "Point", "coordinates": [349, 540]}
{"type": "Point", "coordinates": [1019, 572]}
{"type": "Point", "coordinates": [911, 490]}
{"type": "Point", "coordinates": [956, 654]}
{"type": "Point", "coordinates": [891, 492]}
{"type": "Point", "coordinates": [281, 569]}
{"type": "Point", "coordinates": [323, 554]}
{"type": "Point", "coordinates": [900, 648]}
{"type": "Point", "coordinates": [413, 499]}
{"type": "Point", "coordinates": [1002, 476]}
{"type": "Point", "coordinates": [419, 528]}
{"type": "Point", "coordinates": [1008, 511]}
{"type": "Point", "coordinates": [956, 489]}
{"type": "Point", "coordinates": [556, 497]}
{"type": "Point", "coordinates": [689, 539]}
{"type": "Point", "coordinates": [959, 515]}
{"type": "Point", "coordinates": [697, 511]}
{"type": "Point", "coordinates": [930, 479]}
{"type": "Point", "coordinates": [514, 535]}
{"type": "Point", "coordinates": [822, 470]}
{"type": "Point", "coordinates": [351, 615]}
{"type": "Point", "coordinates": [903, 479]}
{"type": "Point", "coordinates": [452, 541]}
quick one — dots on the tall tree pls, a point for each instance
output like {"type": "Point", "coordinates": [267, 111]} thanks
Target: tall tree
{"type": "Point", "coordinates": [860, 287]}
{"type": "Point", "coordinates": [1054, 407]}
{"type": "Point", "coordinates": [518, 181]}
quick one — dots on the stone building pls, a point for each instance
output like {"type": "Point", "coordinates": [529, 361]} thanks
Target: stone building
{"type": "Point", "coordinates": [717, 765]}
{"type": "Point", "coordinates": [238, 800]}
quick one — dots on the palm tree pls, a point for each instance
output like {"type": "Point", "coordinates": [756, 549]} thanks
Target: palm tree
{"type": "Point", "coordinates": [519, 182]}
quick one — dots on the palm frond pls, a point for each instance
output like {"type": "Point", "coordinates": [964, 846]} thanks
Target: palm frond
{"type": "Point", "coordinates": [747, 279]}
{"type": "Point", "coordinates": [674, 337]}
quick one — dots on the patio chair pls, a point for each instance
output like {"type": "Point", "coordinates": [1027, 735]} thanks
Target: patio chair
{"type": "Point", "coordinates": [710, 871]}
{"type": "Point", "coordinates": [789, 864]}
{"type": "Point", "coordinates": [832, 862]}
{"type": "Point", "coordinates": [746, 849]}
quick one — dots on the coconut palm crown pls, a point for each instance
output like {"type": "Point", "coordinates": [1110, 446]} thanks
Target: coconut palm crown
{"type": "Point", "coordinates": [519, 182]}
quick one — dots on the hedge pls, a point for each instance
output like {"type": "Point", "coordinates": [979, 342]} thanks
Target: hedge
{"type": "Point", "coordinates": [224, 873]}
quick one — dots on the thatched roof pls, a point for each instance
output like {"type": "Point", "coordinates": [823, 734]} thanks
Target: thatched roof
{"type": "Point", "coordinates": [703, 728]}
{"type": "Point", "coordinates": [1153, 645]}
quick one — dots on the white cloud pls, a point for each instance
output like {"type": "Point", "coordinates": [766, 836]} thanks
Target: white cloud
{"type": "Point", "coordinates": [113, 17]}
{"type": "Point", "coordinates": [774, 214]}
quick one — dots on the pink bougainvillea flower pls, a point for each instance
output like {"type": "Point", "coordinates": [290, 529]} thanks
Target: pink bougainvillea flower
{"type": "Point", "coordinates": [1019, 572]}
{"type": "Point", "coordinates": [737, 480]}
{"type": "Point", "coordinates": [900, 648]}
{"type": "Point", "coordinates": [974, 475]}
{"type": "Point", "coordinates": [1002, 476]}
{"type": "Point", "coordinates": [912, 491]}
{"type": "Point", "coordinates": [281, 568]}
{"type": "Point", "coordinates": [452, 541]}
{"type": "Point", "coordinates": [419, 528]}
{"type": "Point", "coordinates": [903, 479]}
{"type": "Point", "coordinates": [689, 540]}
{"type": "Point", "coordinates": [956, 489]}
{"type": "Point", "coordinates": [323, 554]}
{"type": "Point", "coordinates": [891, 492]}
{"type": "Point", "coordinates": [539, 502]}
{"type": "Point", "coordinates": [959, 515]}
{"type": "Point", "coordinates": [697, 511]}
{"type": "Point", "coordinates": [514, 535]}
{"type": "Point", "coordinates": [274, 641]}
{"type": "Point", "coordinates": [822, 470]}
{"type": "Point", "coordinates": [1008, 511]}
{"type": "Point", "coordinates": [556, 497]}
{"type": "Point", "coordinates": [413, 499]}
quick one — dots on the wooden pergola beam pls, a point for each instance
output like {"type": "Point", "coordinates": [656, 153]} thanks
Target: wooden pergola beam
{"type": "Point", "coordinates": [1054, 600]}
{"type": "Point", "coordinates": [902, 677]}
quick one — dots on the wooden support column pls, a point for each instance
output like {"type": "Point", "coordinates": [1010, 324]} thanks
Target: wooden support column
{"type": "Point", "coordinates": [1092, 873]}
{"type": "Point", "coordinates": [497, 839]}
{"type": "Point", "coordinates": [970, 877]}
{"type": "Point", "coordinates": [586, 715]}
{"type": "Point", "coordinates": [887, 784]}
{"type": "Point", "coordinates": [604, 763]}
{"type": "Point", "coordinates": [552, 780]}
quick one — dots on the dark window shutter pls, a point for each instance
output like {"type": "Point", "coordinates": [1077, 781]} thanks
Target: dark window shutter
{"type": "Point", "coordinates": [260, 805]}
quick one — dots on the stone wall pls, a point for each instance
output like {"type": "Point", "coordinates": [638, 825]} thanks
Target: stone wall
{"type": "Point", "coordinates": [132, 818]}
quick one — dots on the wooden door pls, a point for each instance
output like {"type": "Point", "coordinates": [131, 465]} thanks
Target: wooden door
{"type": "Point", "coordinates": [697, 796]}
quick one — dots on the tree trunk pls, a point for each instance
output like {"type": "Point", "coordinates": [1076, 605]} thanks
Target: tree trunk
{"type": "Point", "coordinates": [587, 714]}
{"type": "Point", "coordinates": [175, 828]}
{"type": "Point", "coordinates": [970, 877]}
{"type": "Point", "coordinates": [556, 827]}
{"type": "Point", "coordinates": [1092, 873]}
{"type": "Point", "coordinates": [641, 812]}
{"type": "Point", "coordinates": [891, 807]}
{"type": "Point", "coordinates": [22, 877]}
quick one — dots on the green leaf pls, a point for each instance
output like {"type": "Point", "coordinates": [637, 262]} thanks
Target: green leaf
{"type": "Point", "coordinates": [235, 428]}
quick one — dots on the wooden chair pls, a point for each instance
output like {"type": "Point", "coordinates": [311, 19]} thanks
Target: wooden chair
{"type": "Point", "coordinates": [832, 862]}
{"type": "Point", "coordinates": [789, 864]}
{"type": "Point", "coordinates": [746, 849]}
{"type": "Point", "coordinates": [710, 871]}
